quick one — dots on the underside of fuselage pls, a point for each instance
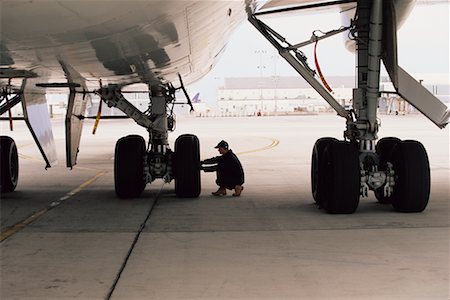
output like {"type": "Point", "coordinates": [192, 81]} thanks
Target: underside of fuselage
{"type": "Point", "coordinates": [121, 42]}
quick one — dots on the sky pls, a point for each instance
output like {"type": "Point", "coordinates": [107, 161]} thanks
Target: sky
{"type": "Point", "coordinates": [424, 47]}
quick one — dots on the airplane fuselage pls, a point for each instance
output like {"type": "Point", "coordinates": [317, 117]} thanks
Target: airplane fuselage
{"type": "Point", "coordinates": [118, 41]}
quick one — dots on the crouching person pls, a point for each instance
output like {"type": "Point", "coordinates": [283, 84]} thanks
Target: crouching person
{"type": "Point", "coordinates": [230, 174]}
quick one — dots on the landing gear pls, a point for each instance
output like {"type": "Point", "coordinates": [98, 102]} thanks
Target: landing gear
{"type": "Point", "coordinates": [342, 172]}
{"type": "Point", "coordinates": [135, 166]}
{"type": "Point", "coordinates": [9, 174]}
{"type": "Point", "coordinates": [129, 162]}
{"type": "Point", "coordinates": [187, 166]}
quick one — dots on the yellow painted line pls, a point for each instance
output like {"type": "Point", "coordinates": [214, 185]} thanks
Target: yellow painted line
{"type": "Point", "coordinates": [40, 161]}
{"type": "Point", "coordinates": [29, 157]}
{"type": "Point", "coordinates": [86, 183]}
{"type": "Point", "coordinates": [24, 145]}
{"type": "Point", "coordinates": [87, 168]}
{"type": "Point", "coordinates": [274, 143]}
{"type": "Point", "coordinates": [21, 225]}
{"type": "Point", "coordinates": [26, 156]}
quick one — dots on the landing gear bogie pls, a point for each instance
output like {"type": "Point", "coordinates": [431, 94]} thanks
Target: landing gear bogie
{"type": "Point", "coordinates": [135, 166]}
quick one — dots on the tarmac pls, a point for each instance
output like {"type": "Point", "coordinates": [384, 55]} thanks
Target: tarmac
{"type": "Point", "coordinates": [65, 234]}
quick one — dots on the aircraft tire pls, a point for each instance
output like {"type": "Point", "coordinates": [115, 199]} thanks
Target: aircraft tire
{"type": "Point", "coordinates": [412, 187]}
{"type": "Point", "coordinates": [384, 149]}
{"type": "Point", "coordinates": [9, 162]}
{"type": "Point", "coordinates": [318, 187]}
{"type": "Point", "coordinates": [342, 178]}
{"type": "Point", "coordinates": [129, 163]}
{"type": "Point", "coordinates": [187, 166]}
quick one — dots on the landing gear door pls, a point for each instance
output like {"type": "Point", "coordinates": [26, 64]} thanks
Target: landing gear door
{"type": "Point", "coordinates": [390, 57]}
{"type": "Point", "coordinates": [37, 117]}
{"type": "Point", "coordinates": [406, 86]}
{"type": "Point", "coordinates": [74, 126]}
{"type": "Point", "coordinates": [76, 108]}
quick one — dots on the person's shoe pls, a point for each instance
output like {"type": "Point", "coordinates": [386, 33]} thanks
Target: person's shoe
{"type": "Point", "coordinates": [238, 190]}
{"type": "Point", "coordinates": [220, 192]}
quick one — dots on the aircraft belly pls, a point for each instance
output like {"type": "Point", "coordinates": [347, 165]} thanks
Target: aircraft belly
{"type": "Point", "coordinates": [120, 42]}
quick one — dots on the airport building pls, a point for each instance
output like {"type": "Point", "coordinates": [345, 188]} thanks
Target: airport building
{"type": "Point", "coordinates": [277, 95]}
{"type": "Point", "coordinates": [254, 96]}
{"type": "Point", "coordinates": [249, 96]}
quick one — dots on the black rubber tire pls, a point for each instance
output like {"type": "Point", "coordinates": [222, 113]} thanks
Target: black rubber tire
{"type": "Point", "coordinates": [412, 169]}
{"type": "Point", "coordinates": [129, 166]}
{"type": "Point", "coordinates": [9, 175]}
{"type": "Point", "coordinates": [384, 149]}
{"type": "Point", "coordinates": [187, 166]}
{"type": "Point", "coordinates": [342, 178]}
{"type": "Point", "coordinates": [318, 187]}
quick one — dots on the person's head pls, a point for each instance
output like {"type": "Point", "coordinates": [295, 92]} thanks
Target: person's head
{"type": "Point", "coordinates": [222, 146]}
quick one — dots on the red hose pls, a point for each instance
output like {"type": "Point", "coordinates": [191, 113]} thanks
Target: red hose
{"type": "Point", "coordinates": [325, 83]}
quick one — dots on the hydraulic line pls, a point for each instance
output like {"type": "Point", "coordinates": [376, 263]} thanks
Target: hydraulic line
{"type": "Point", "coordinates": [319, 71]}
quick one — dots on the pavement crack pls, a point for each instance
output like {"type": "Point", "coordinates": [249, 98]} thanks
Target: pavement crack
{"type": "Point", "coordinates": [133, 245]}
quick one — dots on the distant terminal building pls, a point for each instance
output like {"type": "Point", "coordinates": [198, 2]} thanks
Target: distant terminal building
{"type": "Point", "coordinates": [248, 96]}
{"type": "Point", "coordinates": [278, 95]}
{"type": "Point", "coordinates": [253, 96]}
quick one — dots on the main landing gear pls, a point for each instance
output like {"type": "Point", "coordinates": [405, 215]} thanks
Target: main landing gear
{"type": "Point", "coordinates": [136, 164]}
{"type": "Point", "coordinates": [396, 171]}
{"type": "Point", "coordinates": [339, 177]}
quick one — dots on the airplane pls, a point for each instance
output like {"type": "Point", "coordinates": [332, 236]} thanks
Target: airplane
{"type": "Point", "coordinates": [100, 47]}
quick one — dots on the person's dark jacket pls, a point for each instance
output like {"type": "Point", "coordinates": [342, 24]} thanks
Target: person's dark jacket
{"type": "Point", "coordinates": [229, 170]}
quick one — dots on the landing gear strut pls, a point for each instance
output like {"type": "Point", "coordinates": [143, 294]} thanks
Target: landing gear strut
{"type": "Point", "coordinates": [136, 165]}
{"type": "Point", "coordinates": [343, 171]}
